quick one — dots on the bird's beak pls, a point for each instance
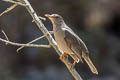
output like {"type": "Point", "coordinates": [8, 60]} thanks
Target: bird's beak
{"type": "Point", "coordinates": [48, 16]}
{"type": "Point", "coordinates": [51, 17]}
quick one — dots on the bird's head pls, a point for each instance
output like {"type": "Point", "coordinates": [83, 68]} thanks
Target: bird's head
{"type": "Point", "coordinates": [55, 19]}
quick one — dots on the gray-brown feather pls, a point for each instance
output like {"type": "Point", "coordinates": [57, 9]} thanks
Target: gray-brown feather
{"type": "Point", "coordinates": [75, 43]}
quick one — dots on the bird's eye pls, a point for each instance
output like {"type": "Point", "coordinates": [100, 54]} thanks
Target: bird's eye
{"type": "Point", "coordinates": [56, 17]}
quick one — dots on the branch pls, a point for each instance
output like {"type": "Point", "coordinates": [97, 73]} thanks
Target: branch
{"type": "Point", "coordinates": [9, 9]}
{"type": "Point", "coordinates": [42, 18]}
{"type": "Point", "coordinates": [26, 45]}
{"type": "Point", "coordinates": [41, 26]}
{"type": "Point", "coordinates": [50, 38]}
{"type": "Point", "coordinates": [5, 36]}
{"type": "Point", "coordinates": [14, 2]}
{"type": "Point", "coordinates": [34, 41]}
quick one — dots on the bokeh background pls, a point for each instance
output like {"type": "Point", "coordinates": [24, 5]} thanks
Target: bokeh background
{"type": "Point", "coordinates": [97, 22]}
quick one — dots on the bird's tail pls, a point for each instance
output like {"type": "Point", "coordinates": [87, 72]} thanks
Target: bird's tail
{"type": "Point", "coordinates": [90, 64]}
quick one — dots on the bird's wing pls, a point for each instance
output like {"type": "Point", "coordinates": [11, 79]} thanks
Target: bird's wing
{"type": "Point", "coordinates": [75, 43]}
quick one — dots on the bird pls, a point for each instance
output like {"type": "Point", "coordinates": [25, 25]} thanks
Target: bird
{"type": "Point", "coordinates": [69, 42]}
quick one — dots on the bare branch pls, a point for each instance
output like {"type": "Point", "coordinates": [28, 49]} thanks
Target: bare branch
{"type": "Point", "coordinates": [73, 71]}
{"type": "Point", "coordinates": [31, 42]}
{"type": "Point", "coordinates": [42, 18]}
{"type": "Point", "coordinates": [26, 45]}
{"type": "Point", "coordinates": [14, 2]}
{"type": "Point", "coordinates": [50, 38]}
{"type": "Point", "coordinates": [5, 36]}
{"type": "Point", "coordinates": [9, 9]}
{"type": "Point", "coordinates": [52, 42]}
{"type": "Point", "coordinates": [51, 32]}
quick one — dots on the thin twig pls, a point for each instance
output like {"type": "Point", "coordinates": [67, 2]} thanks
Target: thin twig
{"type": "Point", "coordinates": [51, 32]}
{"type": "Point", "coordinates": [33, 41]}
{"type": "Point", "coordinates": [15, 2]}
{"type": "Point", "coordinates": [26, 45]}
{"type": "Point", "coordinates": [42, 18]}
{"type": "Point", "coordinates": [5, 36]}
{"type": "Point", "coordinates": [9, 9]}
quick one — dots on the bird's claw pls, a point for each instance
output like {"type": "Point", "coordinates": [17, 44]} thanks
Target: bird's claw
{"type": "Point", "coordinates": [72, 65]}
{"type": "Point", "coordinates": [63, 56]}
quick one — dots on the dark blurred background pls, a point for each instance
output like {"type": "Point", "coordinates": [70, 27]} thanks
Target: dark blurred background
{"type": "Point", "coordinates": [97, 22]}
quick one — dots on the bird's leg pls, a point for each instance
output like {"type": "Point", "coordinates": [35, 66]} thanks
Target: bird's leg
{"type": "Point", "coordinates": [64, 55]}
{"type": "Point", "coordinates": [76, 60]}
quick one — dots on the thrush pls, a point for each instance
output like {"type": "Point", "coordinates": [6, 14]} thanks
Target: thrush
{"type": "Point", "coordinates": [69, 42]}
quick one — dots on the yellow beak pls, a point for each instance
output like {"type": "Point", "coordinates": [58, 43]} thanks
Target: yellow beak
{"type": "Point", "coordinates": [50, 17]}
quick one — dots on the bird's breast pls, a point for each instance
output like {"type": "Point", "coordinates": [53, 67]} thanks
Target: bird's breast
{"type": "Point", "coordinates": [59, 37]}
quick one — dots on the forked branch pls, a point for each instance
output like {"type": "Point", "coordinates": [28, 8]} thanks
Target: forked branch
{"type": "Point", "coordinates": [51, 40]}
{"type": "Point", "coordinates": [51, 32]}
{"type": "Point", "coordinates": [26, 45]}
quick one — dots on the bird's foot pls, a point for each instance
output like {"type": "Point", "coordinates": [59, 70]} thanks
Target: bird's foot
{"type": "Point", "coordinates": [64, 55]}
{"type": "Point", "coordinates": [72, 65]}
